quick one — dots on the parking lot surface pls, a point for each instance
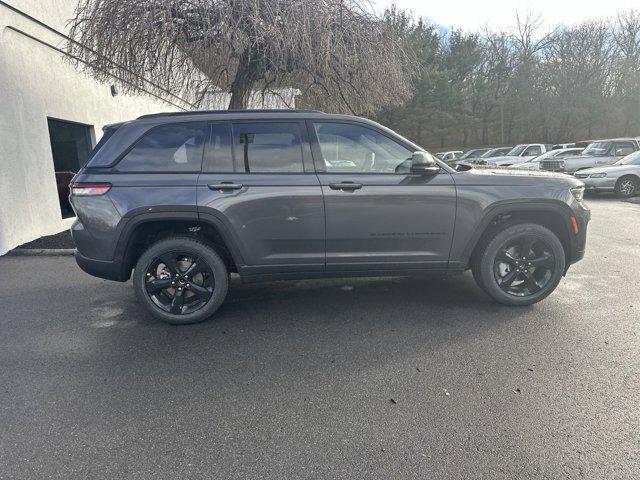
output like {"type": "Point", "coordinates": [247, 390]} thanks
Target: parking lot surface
{"type": "Point", "coordinates": [341, 379]}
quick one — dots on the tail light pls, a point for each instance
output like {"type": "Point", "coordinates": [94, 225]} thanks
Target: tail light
{"type": "Point", "coordinates": [89, 189]}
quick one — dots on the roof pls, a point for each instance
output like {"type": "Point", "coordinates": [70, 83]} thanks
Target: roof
{"type": "Point", "coordinates": [222, 112]}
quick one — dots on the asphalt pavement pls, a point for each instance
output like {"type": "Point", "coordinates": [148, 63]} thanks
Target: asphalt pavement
{"type": "Point", "coordinates": [343, 379]}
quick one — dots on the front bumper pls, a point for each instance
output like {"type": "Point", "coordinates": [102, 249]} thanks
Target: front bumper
{"type": "Point", "coordinates": [599, 184]}
{"type": "Point", "coordinates": [578, 240]}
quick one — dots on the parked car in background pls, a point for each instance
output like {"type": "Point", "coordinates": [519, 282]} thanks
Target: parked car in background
{"type": "Point", "coordinates": [475, 153]}
{"type": "Point", "coordinates": [519, 154]}
{"type": "Point", "coordinates": [497, 152]}
{"type": "Point", "coordinates": [601, 152]}
{"type": "Point", "coordinates": [63, 179]}
{"type": "Point", "coordinates": [534, 163]}
{"type": "Point", "coordinates": [450, 156]}
{"type": "Point", "coordinates": [623, 177]}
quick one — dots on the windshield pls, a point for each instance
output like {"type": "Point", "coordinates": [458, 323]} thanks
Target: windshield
{"type": "Point", "coordinates": [495, 152]}
{"type": "Point", "coordinates": [597, 149]}
{"type": "Point", "coordinates": [631, 159]}
{"type": "Point", "coordinates": [516, 151]}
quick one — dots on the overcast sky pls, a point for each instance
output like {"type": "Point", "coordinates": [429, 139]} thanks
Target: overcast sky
{"type": "Point", "coordinates": [474, 14]}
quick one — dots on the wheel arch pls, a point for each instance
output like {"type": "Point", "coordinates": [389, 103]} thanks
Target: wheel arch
{"type": "Point", "coordinates": [556, 216]}
{"type": "Point", "coordinates": [145, 229]}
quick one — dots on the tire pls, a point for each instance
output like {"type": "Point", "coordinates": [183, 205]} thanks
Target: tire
{"type": "Point", "coordinates": [512, 277]}
{"type": "Point", "coordinates": [627, 186]}
{"type": "Point", "coordinates": [197, 272]}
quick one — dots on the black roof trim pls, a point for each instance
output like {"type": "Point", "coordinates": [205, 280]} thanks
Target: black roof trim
{"type": "Point", "coordinates": [216, 112]}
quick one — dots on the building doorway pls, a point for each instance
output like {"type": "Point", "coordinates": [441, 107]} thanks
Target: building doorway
{"type": "Point", "coordinates": [71, 144]}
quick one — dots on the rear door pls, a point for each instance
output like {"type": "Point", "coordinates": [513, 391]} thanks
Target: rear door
{"type": "Point", "coordinates": [378, 214]}
{"type": "Point", "coordinates": [258, 180]}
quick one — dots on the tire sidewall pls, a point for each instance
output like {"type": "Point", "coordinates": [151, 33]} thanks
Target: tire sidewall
{"type": "Point", "coordinates": [187, 246]}
{"type": "Point", "coordinates": [489, 283]}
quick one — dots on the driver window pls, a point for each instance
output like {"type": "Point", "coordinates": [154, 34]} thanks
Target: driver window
{"type": "Point", "coordinates": [348, 148]}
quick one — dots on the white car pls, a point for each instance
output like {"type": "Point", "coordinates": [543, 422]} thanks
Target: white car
{"type": "Point", "coordinates": [534, 163]}
{"type": "Point", "coordinates": [519, 154]}
{"type": "Point", "coordinates": [451, 156]}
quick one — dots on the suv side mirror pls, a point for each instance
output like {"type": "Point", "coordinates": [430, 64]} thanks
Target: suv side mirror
{"type": "Point", "coordinates": [422, 163]}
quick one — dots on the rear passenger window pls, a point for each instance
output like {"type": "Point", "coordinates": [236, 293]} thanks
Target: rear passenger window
{"type": "Point", "coordinates": [170, 148]}
{"type": "Point", "coordinates": [268, 147]}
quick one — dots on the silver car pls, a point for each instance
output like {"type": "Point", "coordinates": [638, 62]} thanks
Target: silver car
{"type": "Point", "coordinates": [534, 163]}
{"type": "Point", "coordinates": [623, 177]}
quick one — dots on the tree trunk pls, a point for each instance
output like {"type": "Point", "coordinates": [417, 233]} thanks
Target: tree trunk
{"type": "Point", "coordinates": [242, 84]}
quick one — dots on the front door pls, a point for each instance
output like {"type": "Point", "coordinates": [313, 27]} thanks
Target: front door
{"type": "Point", "coordinates": [378, 214]}
{"type": "Point", "coordinates": [258, 180]}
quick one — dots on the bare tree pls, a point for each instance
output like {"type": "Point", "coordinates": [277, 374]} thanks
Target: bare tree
{"type": "Point", "coordinates": [337, 52]}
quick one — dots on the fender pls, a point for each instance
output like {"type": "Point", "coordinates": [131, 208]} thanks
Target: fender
{"type": "Point", "coordinates": [521, 205]}
{"type": "Point", "coordinates": [139, 216]}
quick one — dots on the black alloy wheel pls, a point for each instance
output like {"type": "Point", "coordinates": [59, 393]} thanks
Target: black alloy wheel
{"type": "Point", "coordinates": [524, 266]}
{"type": "Point", "coordinates": [519, 263]}
{"type": "Point", "coordinates": [179, 283]}
{"type": "Point", "coordinates": [181, 280]}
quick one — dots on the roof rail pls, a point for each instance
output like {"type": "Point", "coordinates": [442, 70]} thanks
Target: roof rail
{"type": "Point", "coordinates": [205, 112]}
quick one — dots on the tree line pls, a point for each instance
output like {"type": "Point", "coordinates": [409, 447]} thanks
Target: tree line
{"type": "Point", "coordinates": [520, 85]}
{"type": "Point", "coordinates": [456, 89]}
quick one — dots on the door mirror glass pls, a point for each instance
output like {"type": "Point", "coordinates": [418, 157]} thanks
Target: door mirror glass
{"type": "Point", "coordinates": [424, 164]}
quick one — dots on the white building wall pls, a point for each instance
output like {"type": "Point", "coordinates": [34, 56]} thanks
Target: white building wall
{"type": "Point", "coordinates": [37, 82]}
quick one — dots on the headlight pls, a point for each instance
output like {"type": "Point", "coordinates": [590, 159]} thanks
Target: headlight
{"type": "Point", "coordinates": [578, 193]}
{"type": "Point", "coordinates": [598, 175]}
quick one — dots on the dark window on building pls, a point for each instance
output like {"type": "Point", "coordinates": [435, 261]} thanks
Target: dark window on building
{"type": "Point", "coordinates": [170, 148]}
{"type": "Point", "coordinates": [71, 144]}
{"type": "Point", "coordinates": [219, 151]}
{"type": "Point", "coordinates": [268, 147]}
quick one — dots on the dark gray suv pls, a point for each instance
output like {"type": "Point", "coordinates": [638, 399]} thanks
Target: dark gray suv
{"type": "Point", "coordinates": [183, 199]}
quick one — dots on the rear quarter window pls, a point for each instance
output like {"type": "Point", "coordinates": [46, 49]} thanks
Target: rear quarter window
{"type": "Point", "coordinates": [168, 148]}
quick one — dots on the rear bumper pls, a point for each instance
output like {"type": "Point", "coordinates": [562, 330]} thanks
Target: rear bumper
{"type": "Point", "coordinates": [101, 268]}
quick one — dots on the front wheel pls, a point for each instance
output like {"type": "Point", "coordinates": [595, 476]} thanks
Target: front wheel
{"type": "Point", "coordinates": [181, 280]}
{"type": "Point", "coordinates": [627, 187]}
{"type": "Point", "coordinates": [521, 264]}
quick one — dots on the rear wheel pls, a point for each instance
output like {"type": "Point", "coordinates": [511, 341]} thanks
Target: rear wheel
{"type": "Point", "coordinates": [181, 280]}
{"type": "Point", "coordinates": [521, 264]}
{"type": "Point", "coordinates": [627, 186]}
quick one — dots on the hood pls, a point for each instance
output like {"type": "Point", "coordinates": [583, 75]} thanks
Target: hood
{"type": "Point", "coordinates": [611, 168]}
{"type": "Point", "coordinates": [513, 177]}
{"type": "Point", "coordinates": [584, 157]}
{"type": "Point", "coordinates": [508, 160]}
{"type": "Point", "coordinates": [501, 158]}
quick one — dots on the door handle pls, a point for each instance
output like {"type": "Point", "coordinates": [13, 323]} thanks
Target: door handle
{"type": "Point", "coordinates": [225, 186]}
{"type": "Point", "coordinates": [345, 186]}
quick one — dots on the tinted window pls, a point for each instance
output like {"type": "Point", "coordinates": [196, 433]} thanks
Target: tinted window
{"type": "Point", "coordinates": [353, 148]}
{"type": "Point", "coordinates": [170, 148]}
{"type": "Point", "coordinates": [268, 147]}
{"type": "Point", "coordinates": [218, 153]}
